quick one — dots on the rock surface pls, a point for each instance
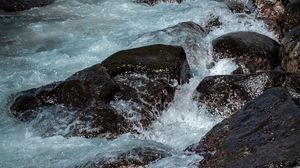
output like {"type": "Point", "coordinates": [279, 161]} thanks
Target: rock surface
{"type": "Point", "coordinates": [153, 2]}
{"type": "Point", "coordinates": [292, 14]}
{"type": "Point", "coordinates": [19, 5]}
{"type": "Point", "coordinates": [265, 133]}
{"type": "Point", "coordinates": [226, 94]}
{"type": "Point", "coordinates": [252, 51]}
{"type": "Point", "coordinates": [290, 51]}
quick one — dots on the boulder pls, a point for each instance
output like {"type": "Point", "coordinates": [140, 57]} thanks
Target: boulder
{"type": "Point", "coordinates": [20, 5]}
{"type": "Point", "coordinates": [264, 133]}
{"type": "Point", "coordinates": [252, 51]}
{"type": "Point", "coordinates": [81, 101]}
{"type": "Point", "coordinates": [153, 2]}
{"type": "Point", "coordinates": [292, 14]}
{"type": "Point", "coordinates": [140, 156]}
{"type": "Point", "coordinates": [290, 51]}
{"type": "Point", "coordinates": [155, 61]}
{"type": "Point", "coordinates": [226, 94]}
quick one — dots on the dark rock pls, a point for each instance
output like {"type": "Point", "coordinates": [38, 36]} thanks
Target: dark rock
{"type": "Point", "coordinates": [264, 133]}
{"type": "Point", "coordinates": [81, 100]}
{"type": "Point", "coordinates": [226, 94]}
{"type": "Point", "coordinates": [252, 51]}
{"type": "Point", "coordinates": [19, 5]}
{"type": "Point", "coordinates": [148, 97]}
{"type": "Point", "coordinates": [292, 14]}
{"type": "Point", "coordinates": [290, 51]}
{"type": "Point", "coordinates": [153, 2]}
{"type": "Point", "coordinates": [156, 61]}
{"type": "Point", "coordinates": [212, 23]}
{"type": "Point", "coordinates": [188, 35]}
{"type": "Point", "coordinates": [137, 157]}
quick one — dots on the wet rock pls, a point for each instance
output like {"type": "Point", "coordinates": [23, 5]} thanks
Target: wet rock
{"type": "Point", "coordinates": [19, 5]}
{"type": "Point", "coordinates": [212, 23]}
{"type": "Point", "coordinates": [264, 133]}
{"type": "Point", "coordinates": [147, 97]}
{"type": "Point", "coordinates": [153, 2]}
{"type": "Point", "coordinates": [188, 35]}
{"type": "Point", "coordinates": [226, 94]}
{"type": "Point", "coordinates": [292, 14]}
{"type": "Point", "coordinates": [140, 156]}
{"type": "Point", "coordinates": [290, 51]}
{"type": "Point", "coordinates": [81, 101]}
{"type": "Point", "coordinates": [252, 51]}
{"type": "Point", "coordinates": [156, 61]}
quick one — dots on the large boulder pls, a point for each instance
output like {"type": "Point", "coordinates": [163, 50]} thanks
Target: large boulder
{"type": "Point", "coordinates": [265, 133]}
{"type": "Point", "coordinates": [147, 77]}
{"type": "Point", "coordinates": [153, 2]}
{"type": "Point", "coordinates": [156, 61]}
{"type": "Point", "coordinates": [290, 51]}
{"type": "Point", "coordinates": [226, 94]}
{"type": "Point", "coordinates": [252, 51]}
{"type": "Point", "coordinates": [19, 5]}
{"type": "Point", "coordinates": [81, 101]}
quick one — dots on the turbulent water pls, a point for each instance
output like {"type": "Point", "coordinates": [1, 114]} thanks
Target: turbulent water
{"type": "Point", "coordinates": [48, 44]}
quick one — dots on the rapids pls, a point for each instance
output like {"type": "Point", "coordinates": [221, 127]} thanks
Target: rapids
{"type": "Point", "coordinates": [48, 44]}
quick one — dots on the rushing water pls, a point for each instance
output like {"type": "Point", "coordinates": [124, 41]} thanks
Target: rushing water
{"type": "Point", "coordinates": [48, 44]}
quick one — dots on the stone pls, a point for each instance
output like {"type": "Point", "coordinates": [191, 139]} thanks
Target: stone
{"type": "Point", "coordinates": [20, 5]}
{"type": "Point", "coordinates": [253, 52]}
{"type": "Point", "coordinates": [264, 133]}
{"type": "Point", "coordinates": [153, 2]}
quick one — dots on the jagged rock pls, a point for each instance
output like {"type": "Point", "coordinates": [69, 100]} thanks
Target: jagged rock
{"type": "Point", "coordinates": [292, 14]}
{"type": "Point", "coordinates": [290, 51]}
{"type": "Point", "coordinates": [156, 61]}
{"type": "Point", "coordinates": [252, 51]}
{"type": "Point", "coordinates": [226, 94]}
{"type": "Point", "coordinates": [264, 133]}
{"type": "Point", "coordinates": [19, 5]}
{"type": "Point", "coordinates": [212, 23]}
{"type": "Point", "coordinates": [153, 2]}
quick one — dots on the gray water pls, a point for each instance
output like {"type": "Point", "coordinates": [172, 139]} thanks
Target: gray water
{"type": "Point", "coordinates": [48, 44]}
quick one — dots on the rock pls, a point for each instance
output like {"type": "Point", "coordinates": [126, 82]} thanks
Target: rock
{"type": "Point", "coordinates": [148, 97]}
{"type": "Point", "coordinates": [290, 51]}
{"type": "Point", "coordinates": [20, 5]}
{"type": "Point", "coordinates": [81, 101]}
{"type": "Point", "coordinates": [188, 35]}
{"type": "Point", "coordinates": [292, 14]}
{"type": "Point", "coordinates": [153, 2]}
{"type": "Point", "coordinates": [265, 133]}
{"type": "Point", "coordinates": [140, 156]}
{"type": "Point", "coordinates": [156, 61]}
{"type": "Point", "coordinates": [226, 94]}
{"type": "Point", "coordinates": [252, 51]}
{"type": "Point", "coordinates": [212, 23]}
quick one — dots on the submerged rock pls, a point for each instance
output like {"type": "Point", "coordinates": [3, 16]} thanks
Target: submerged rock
{"type": "Point", "coordinates": [252, 51]}
{"type": "Point", "coordinates": [188, 35]}
{"type": "Point", "coordinates": [19, 5]}
{"type": "Point", "coordinates": [264, 133]}
{"type": "Point", "coordinates": [134, 158]}
{"type": "Point", "coordinates": [226, 94]}
{"type": "Point", "coordinates": [153, 2]}
{"type": "Point", "coordinates": [290, 51]}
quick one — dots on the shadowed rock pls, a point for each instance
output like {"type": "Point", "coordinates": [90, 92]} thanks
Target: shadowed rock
{"type": "Point", "coordinates": [292, 14]}
{"type": "Point", "coordinates": [290, 51]}
{"type": "Point", "coordinates": [264, 133]}
{"type": "Point", "coordinates": [153, 2]}
{"type": "Point", "coordinates": [19, 5]}
{"type": "Point", "coordinates": [252, 51]}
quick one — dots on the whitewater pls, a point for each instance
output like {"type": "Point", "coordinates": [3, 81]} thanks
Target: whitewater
{"type": "Point", "coordinates": [48, 44]}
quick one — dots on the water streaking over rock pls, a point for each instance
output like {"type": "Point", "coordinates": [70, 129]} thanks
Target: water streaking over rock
{"type": "Point", "coordinates": [47, 44]}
